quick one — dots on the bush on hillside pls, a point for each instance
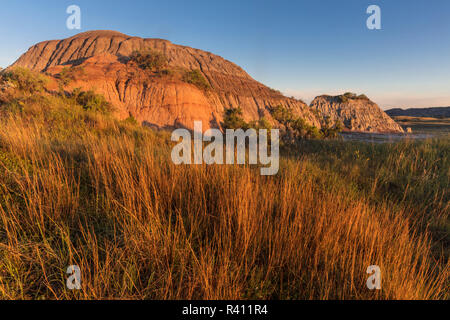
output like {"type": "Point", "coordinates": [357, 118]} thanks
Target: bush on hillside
{"type": "Point", "coordinates": [196, 78]}
{"type": "Point", "coordinates": [149, 59]}
{"type": "Point", "coordinates": [331, 130]}
{"type": "Point", "coordinates": [91, 101]}
{"type": "Point", "coordinates": [282, 115]}
{"type": "Point", "coordinates": [303, 130]}
{"type": "Point", "coordinates": [352, 96]}
{"type": "Point", "coordinates": [260, 124]}
{"type": "Point", "coordinates": [68, 74]}
{"type": "Point", "coordinates": [233, 119]}
{"type": "Point", "coordinates": [363, 97]}
{"type": "Point", "coordinates": [294, 126]}
{"type": "Point", "coordinates": [298, 128]}
{"type": "Point", "coordinates": [25, 80]}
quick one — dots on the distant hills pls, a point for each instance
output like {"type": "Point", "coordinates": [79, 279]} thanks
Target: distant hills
{"type": "Point", "coordinates": [436, 112]}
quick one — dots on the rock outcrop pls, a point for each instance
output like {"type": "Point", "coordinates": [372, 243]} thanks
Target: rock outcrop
{"type": "Point", "coordinates": [98, 60]}
{"type": "Point", "coordinates": [357, 113]}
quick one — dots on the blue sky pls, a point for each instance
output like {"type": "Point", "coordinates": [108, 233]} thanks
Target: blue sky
{"type": "Point", "coordinates": [303, 48]}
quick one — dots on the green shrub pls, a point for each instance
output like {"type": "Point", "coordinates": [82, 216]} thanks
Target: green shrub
{"type": "Point", "coordinates": [329, 130]}
{"type": "Point", "coordinates": [25, 80]}
{"type": "Point", "coordinates": [196, 78]}
{"type": "Point", "coordinates": [351, 96]}
{"type": "Point", "coordinates": [149, 59]}
{"type": "Point", "coordinates": [91, 101]}
{"type": "Point", "coordinates": [65, 76]}
{"type": "Point", "coordinates": [363, 97]}
{"type": "Point", "coordinates": [282, 115]}
{"type": "Point", "coordinates": [303, 130]}
{"type": "Point", "coordinates": [262, 123]}
{"type": "Point", "coordinates": [298, 128]}
{"type": "Point", "coordinates": [233, 119]}
{"type": "Point", "coordinates": [68, 74]}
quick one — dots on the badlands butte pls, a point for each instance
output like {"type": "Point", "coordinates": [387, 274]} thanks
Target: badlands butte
{"type": "Point", "coordinates": [100, 61]}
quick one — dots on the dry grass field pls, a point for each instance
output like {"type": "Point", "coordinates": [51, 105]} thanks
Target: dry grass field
{"type": "Point", "coordinates": [78, 187]}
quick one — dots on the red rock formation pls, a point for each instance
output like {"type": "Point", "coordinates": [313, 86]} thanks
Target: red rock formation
{"type": "Point", "coordinates": [99, 62]}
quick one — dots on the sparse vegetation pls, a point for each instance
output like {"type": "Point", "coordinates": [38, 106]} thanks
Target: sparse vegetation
{"type": "Point", "coordinates": [295, 128]}
{"type": "Point", "coordinates": [352, 96]}
{"type": "Point", "coordinates": [233, 119]}
{"type": "Point", "coordinates": [157, 62]}
{"type": "Point", "coordinates": [92, 101]}
{"type": "Point", "coordinates": [331, 130]}
{"type": "Point", "coordinates": [262, 123]}
{"type": "Point", "coordinates": [68, 74]}
{"type": "Point", "coordinates": [26, 81]}
{"type": "Point", "coordinates": [363, 97]}
{"type": "Point", "coordinates": [149, 59]}
{"type": "Point", "coordinates": [32, 101]}
{"type": "Point", "coordinates": [196, 78]}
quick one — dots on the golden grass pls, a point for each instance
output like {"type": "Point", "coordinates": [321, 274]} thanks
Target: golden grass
{"type": "Point", "coordinates": [140, 227]}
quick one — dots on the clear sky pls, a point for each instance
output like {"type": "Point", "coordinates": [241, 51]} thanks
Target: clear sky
{"type": "Point", "coordinates": [303, 48]}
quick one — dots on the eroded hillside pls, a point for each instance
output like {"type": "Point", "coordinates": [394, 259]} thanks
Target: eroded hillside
{"type": "Point", "coordinates": [100, 59]}
{"type": "Point", "coordinates": [357, 113]}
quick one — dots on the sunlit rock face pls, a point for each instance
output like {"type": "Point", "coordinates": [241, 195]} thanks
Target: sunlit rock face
{"type": "Point", "coordinates": [357, 113]}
